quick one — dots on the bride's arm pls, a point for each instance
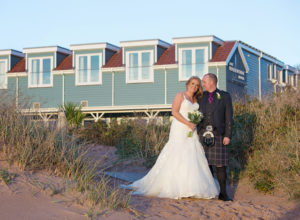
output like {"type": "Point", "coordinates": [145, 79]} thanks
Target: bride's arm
{"type": "Point", "coordinates": [175, 111]}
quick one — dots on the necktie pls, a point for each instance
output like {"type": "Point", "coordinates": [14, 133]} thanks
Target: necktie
{"type": "Point", "coordinates": [210, 98]}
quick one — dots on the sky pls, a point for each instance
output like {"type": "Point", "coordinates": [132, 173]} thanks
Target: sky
{"type": "Point", "coordinates": [270, 26]}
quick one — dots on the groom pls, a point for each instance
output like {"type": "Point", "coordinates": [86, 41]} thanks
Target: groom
{"type": "Point", "coordinates": [217, 108]}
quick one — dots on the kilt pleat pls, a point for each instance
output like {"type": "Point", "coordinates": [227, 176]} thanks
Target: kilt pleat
{"type": "Point", "coordinates": [217, 155]}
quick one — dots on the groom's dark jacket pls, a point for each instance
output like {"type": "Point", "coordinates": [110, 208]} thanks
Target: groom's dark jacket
{"type": "Point", "coordinates": [222, 112]}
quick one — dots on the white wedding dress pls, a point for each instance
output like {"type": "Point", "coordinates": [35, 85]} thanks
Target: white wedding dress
{"type": "Point", "coordinates": [181, 169]}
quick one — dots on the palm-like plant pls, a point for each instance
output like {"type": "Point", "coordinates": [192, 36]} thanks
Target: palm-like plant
{"type": "Point", "coordinates": [73, 114]}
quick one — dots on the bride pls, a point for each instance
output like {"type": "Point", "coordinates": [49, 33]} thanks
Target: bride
{"type": "Point", "coordinates": [181, 169]}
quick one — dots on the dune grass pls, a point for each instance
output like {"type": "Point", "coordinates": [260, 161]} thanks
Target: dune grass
{"type": "Point", "coordinates": [33, 146]}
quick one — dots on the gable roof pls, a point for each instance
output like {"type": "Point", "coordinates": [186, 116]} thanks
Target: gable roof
{"type": "Point", "coordinates": [115, 60]}
{"type": "Point", "coordinates": [19, 67]}
{"type": "Point", "coordinates": [66, 64]}
{"type": "Point", "coordinates": [168, 56]}
{"type": "Point", "coordinates": [223, 52]}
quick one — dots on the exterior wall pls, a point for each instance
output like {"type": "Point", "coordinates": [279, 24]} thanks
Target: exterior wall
{"type": "Point", "coordinates": [236, 82]}
{"type": "Point", "coordinates": [267, 87]}
{"type": "Point", "coordinates": [11, 87]}
{"type": "Point", "coordinates": [173, 85]}
{"type": "Point", "coordinates": [252, 75]}
{"type": "Point", "coordinates": [50, 97]}
{"type": "Point", "coordinates": [96, 95]}
{"type": "Point", "coordinates": [220, 72]}
{"type": "Point", "coordinates": [139, 93]}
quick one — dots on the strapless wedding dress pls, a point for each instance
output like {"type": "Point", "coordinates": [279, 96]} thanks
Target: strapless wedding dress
{"type": "Point", "coordinates": [181, 169]}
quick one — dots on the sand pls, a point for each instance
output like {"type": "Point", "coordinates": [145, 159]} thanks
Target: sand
{"type": "Point", "coordinates": [30, 196]}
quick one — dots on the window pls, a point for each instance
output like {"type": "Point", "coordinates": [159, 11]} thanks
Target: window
{"type": "Point", "coordinates": [139, 66]}
{"type": "Point", "coordinates": [270, 72]}
{"type": "Point", "coordinates": [40, 72]}
{"type": "Point", "coordinates": [88, 69]}
{"type": "Point", "coordinates": [3, 76]}
{"type": "Point", "coordinates": [283, 76]}
{"type": "Point", "coordinates": [192, 62]}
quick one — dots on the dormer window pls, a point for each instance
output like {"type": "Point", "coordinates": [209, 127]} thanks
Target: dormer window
{"type": "Point", "coordinates": [88, 69]}
{"type": "Point", "coordinates": [192, 62]}
{"type": "Point", "coordinates": [3, 76]}
{"type": "Point", "coordinates": [40, 72]}
{"type": "Point", "coordinates": [139, 66]}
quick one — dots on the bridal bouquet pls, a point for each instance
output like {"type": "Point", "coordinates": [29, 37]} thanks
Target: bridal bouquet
{"type": "Point", "coordinates": [194, 117]}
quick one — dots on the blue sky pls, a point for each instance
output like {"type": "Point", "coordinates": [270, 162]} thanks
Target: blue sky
{"type": "Point", "coordinates": [271, 26]}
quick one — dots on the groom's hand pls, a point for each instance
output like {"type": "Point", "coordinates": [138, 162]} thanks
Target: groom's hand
{"type": "Point", "coordinates": [226, 141]}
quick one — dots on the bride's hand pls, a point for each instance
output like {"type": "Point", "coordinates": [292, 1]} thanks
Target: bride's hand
{"type": "Point", "coordinates": [191, 125]}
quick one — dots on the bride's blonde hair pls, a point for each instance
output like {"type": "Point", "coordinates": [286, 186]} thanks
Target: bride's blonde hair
{"type": "Point", "coordinates": [199, 92]}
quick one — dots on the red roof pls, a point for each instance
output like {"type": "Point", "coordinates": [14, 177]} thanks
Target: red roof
{"type": "Point", "coordinates": [19, 67]}
{"type": "Point", "coordinates": [115, 60]}
{"type": "Point", "coordinates": [66, 64]}
{"type": "Point", "coordinates": [223, 52]}
{"type": "Point", "coordinates": [168, 56]}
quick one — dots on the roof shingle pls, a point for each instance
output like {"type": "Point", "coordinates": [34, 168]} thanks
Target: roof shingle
{"type": "Point", "coordinates": [19, 67]}
{"type": "Point", "coordinates": [115, 60]}
{"type": "Point", "coordinates": [223, 52]}
{"type": "Point", "coordinates": [66, 64]}
{"type": "Point", "coordinates": [168, 56]}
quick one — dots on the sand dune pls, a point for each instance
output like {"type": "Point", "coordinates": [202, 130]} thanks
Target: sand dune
{"type": "Point", "coordinates": [30, 196]}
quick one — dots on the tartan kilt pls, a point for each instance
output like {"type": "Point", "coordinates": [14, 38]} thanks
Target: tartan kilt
{"type": "Point", "coordinates": [217, 155]}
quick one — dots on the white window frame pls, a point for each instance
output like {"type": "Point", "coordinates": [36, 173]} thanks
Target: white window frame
{"type": "Point", "coordinates": [41, 71]}
{"type": "Point", "coordinates": [88, 55]}
{"type": "Point", "coordinates": [281, 77]}
{"type": "Point", "coordinates": [270, 71]}
{"type": "Point", "coordinates": [5, 83]}
{"type": "Point", "coordinates": [180, 77]}
{"type": "Point", "coordinates": [139, 80]}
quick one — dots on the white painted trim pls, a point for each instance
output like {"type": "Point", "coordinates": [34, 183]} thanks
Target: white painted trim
{"type": "Point", "coordinates": [259, 76]}
{"type": "Point", "coordinates": [40, 72]}
{"type": "Point", "coordinates": [5, 73]}
{"type": "Point", "coordinates": [47, 49]}
{"type": "Point", "coordinates": [9, 64]}
{"type": "Point", "coordinates": [176, 53]}
{"type": "Point", "coordinates": [197, 39]}
{"type": "Point", "coordinates": [11, 52]}
{"type": "Point", "coordinates": [155, 54]}
{"type": "Point", "coordinates": [138, 43]}
{"type": "Point", "coordinates": [94, 46]}
{"type": "Point", "coordinates": [243, 58]}
{"type": "Point", "coordinates": [89, 69]}
{"type": "Point", "coordinates": [210, 50]}
{"type": "Point", "coordinates": [120, 108]}
{"type": "Point", "coordinates": [257, 53]}
{"type": "Point", "coordinates": [217, 64]}
{"type": "Point", "coordinates": [63, 90]}
{"type": "Point", "coordinates": [26, 60]}
{"type": "Point", "coordinates": [16, 74]}
{"type": "Point", "coordinates": [113, 89]}
{"type": "Point", "coordinates": [113, 69]}
{"type": "Point", "coordinates": [193, 49]}
{"type": "Point", "coordinates": [65, 72]}
{"type": "Point", "coordinates": [139, 80]}
{"type": "Point", "coordinates": [165, 66]}
{"type": "Point", "coordinates": [288, 67]}
{"type": "Point", "coordinates": [166, 86]}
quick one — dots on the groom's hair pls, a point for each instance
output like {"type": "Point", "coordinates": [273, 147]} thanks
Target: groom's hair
{"type": "Point", "coordinates": [212, 77]}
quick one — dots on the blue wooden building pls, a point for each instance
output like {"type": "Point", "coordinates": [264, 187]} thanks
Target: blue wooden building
{"type": "Point", "coordinates": [137, 76]}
